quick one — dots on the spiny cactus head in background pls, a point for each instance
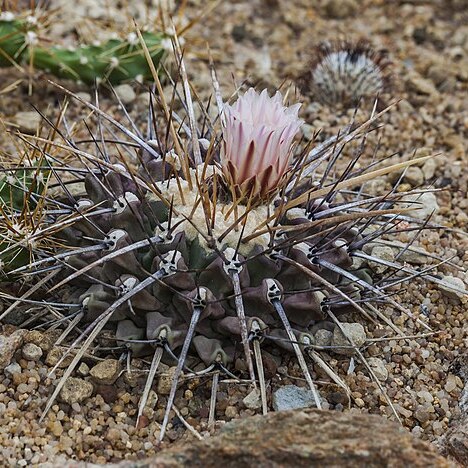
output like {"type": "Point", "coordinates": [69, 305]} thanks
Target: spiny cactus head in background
{"type": "Point", "coordinates": [344, 73]}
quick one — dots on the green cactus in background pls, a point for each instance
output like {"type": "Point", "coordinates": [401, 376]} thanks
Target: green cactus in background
{"type": "Point", "coordinates": [21, 192]}
{"type": "Point", "coordinates": [115, 60]}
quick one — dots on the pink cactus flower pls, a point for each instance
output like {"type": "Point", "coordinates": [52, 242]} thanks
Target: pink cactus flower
{"type": "Point", "coordinates": [258, 134]}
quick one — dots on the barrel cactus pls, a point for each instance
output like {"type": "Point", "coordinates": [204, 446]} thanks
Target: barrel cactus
{"type": "Point", "coordinates": [198, 245]}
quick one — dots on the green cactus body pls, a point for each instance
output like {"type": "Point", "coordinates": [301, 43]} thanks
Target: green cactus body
{"type": "Point", "coordinates": [114, 61]}
{"type": "Point", "coordinates": [12, 42]}
{"type": "Point", "coordinates": [20, 192]}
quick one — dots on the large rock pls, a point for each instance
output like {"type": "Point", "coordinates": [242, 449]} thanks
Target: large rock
{"type": "Point", "coordinates": [76, 390]}
{"type": "Point", "coordinates": [455, 441]}
{"type": "Point", "coordinates": [301, 439]}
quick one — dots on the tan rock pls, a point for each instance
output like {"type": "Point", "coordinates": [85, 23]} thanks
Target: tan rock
{"type": "Point", "coordinates": [340, 9]}
{"type": "Point", "coordinates": [303, 438]}
{"type": "Point", "coordinates": [28, 121]}
{"type": "Point", "coordinates": [165, 381]}
{"type": "Point", "coordinates": [354, 331]}
{"type": "Point", "coordinates": [54, 356]}
{"type": "Point", "coordinates": [417, 84]}
{"type": "Point", "coordinates": [106, 372]}
{"type": "Point", "coordinates": [76, 390]}
{"type": "Point", "coordinates": [8, 346]}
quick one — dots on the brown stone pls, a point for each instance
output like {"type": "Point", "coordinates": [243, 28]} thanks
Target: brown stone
{"type": "Point", "coordinates": [105, 372]}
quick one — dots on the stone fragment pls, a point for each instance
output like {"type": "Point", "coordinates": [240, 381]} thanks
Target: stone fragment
{"type": "Point", "coordinates": [292, 397]}
{"type": "Point", "coordinates": [76, 390]}
{"type": "Point", "coordinates": [8, 346]}
{"type": "Point", "coordinates": [83, 369]}
{"type": "Point", "coordinates": [323, 337]}
{"type": "Point", "coordinates": [452, 287]}
{"type": "Point", "coordinates": [422, 415]}
{"type": "Point", "coordinates": [454, 441]}
{"type": "Point", "coordinates": [28, 121]}
{"type": "Point", "coordinates": [382, 252]}
{"type": "Point", "coordinates": [335, 394]}
{"type": "Point", "coordinates": [426, 396]}
{"type": "Point", "coordinates": [230, 412]}
{"type": "Point", "coordinates": [419, 85]}
{"type": "Point", "coordinates": [339, 9]}
{"type": "Point", "coordinates": [84, 95]}
{"type": "Point", "coordinates": [105, 372]}
{"type": "Point", "coordinates": [450, 384]}
{"type": "Point", "coordinates": [125, 93]}
{"type": "Point", "coordinates": [414, 176]}
{"type": "Point", "coordinates": [304, 438]}
{"type": "Point", "coordinates": [165, 381]}
{"type": "Point", "coordinates": [379, 368]}
{"type": "Point", "coordinates": [357, 334]}
{"type": "Point", "coordinates": [413, 255]}
{"type": "Point", "coordinates": [12, 369]}
{"type": "Point", "coordinates": [45, 341]}
{"type": "Point", "coordinates": [423, 205]}
{"type": "Point", "coordinates": [31, 352]}
{"type": "Point", "coordinates": [54, 356]}
{"type": "Point", "coordinates": [308, 131]}
{"type": "Point", "coordinates": [429, 168]}
{"type": "Point", "coordinates": [253, 400]}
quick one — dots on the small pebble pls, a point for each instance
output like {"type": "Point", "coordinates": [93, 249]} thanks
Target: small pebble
{"type": "Point", "coordinates": [357, 334]}
{"type": "Point", "coordinates": [106, 372]}
{"type": "Point", "coordinates": [31, 352]}
{"type": "Point", "coordinates": [76, 390]}
{"type": "Point", "coordinates": [253, 400]}
{"type": "Point", "coordinates": [379, 368]}
{"type": "Point", "coordinates": [292, 397]}
{"type": "Point", "coordinates": [126, 93]}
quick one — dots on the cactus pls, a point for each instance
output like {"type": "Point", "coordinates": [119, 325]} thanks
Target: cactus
{"type": "Point", "coordinates": [21, 192]}
{"type": "Point", "coordinates": [114, 61]}
{"type": "Point", "coordinates": [222, 241]}
{"type": "Point", "coordinates": [344, 72]}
